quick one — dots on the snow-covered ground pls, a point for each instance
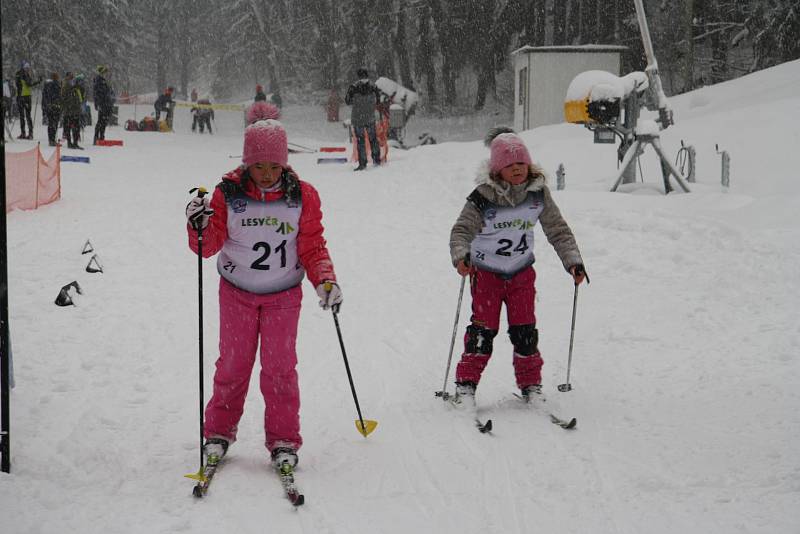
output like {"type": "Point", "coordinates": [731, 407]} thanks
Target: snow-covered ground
{"type": "Point", "coordinates": [685, 372]}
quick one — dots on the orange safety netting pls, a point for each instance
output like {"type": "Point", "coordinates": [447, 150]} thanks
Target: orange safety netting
{"type": "Point", "coordinates": [31, 180]}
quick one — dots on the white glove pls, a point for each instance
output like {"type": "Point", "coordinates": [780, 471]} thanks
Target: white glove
{"type": "Point", "coordinates": [330, 296]}
{"type": "Point", "coordinates": [198, 212]}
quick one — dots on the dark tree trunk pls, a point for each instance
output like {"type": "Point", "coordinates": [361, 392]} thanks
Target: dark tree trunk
{"type": "Point", "coordinates": [425, 52]}
{"type": "Point", "coordinates": [401, 51]}
{"type": "Point", "coordinates": [360, 37]}
{"type": "Point", "coordinates": [559, 22]}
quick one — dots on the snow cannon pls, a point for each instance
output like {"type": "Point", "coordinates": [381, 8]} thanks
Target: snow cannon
{"type": "Point", "coordinates": [597, 99]}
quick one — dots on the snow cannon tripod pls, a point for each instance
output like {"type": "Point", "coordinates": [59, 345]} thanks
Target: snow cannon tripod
{"type": "Point", "coordinates": [610, 106]}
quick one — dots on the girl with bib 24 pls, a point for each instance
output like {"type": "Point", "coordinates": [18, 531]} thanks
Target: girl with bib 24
{"type": "Point", "coordinates": [492, 242]}
{"type": "Point", "coordinates": [265, 224]}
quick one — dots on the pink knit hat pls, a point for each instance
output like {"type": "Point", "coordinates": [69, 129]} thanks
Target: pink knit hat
{"type": "Point", "coordinates": [507, 148]}
{"type": "Point", "coordinates": [265, 141]}
{"type": "Point", "coordinates": [260, 111]}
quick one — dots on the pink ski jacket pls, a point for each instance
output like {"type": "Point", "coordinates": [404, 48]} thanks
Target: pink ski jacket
{"type": "Point", "coordinates": [311, 245]}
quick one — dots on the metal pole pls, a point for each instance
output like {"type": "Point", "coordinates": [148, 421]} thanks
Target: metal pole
{"type": "Point", "coordinates": [5, 331]}
{"type": "Point", "coordinates": [655, 89]}
{"type": "Point", "coordinates": [443, 393]}
{"type": "Point", "coordinates": [200, 329]}
{"type": "Point", "coordinates": [567, 386]}
{"type": "Point", "coordinates": [349, 374]}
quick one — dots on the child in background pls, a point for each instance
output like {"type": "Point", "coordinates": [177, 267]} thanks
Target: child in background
{"type": "Point", "coordinates": [492, 241]}
{"type": "Point", "coordinates": [266, 225]}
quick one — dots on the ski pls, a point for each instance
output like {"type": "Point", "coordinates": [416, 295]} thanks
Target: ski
{"type": "Point", "coordinates": [205, 478]}
{"type": "Point", "coordinates": [286, 474]}
{"type": "Point", "coordinates": [484, 428]}
{"type": "Point", "coordinates": [566, 424]}
{"type": "Point", "coordinates": [563, 423]}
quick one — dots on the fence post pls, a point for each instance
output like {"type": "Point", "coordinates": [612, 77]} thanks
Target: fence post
{"type": "Point", "coordinates": [560, 174]}
{"type": "Point", "coordinates": [726, 167]}
{"type": "Point", "coordinates": [58, 168]}
{"type": "Point", "coordinates": [38, 158]}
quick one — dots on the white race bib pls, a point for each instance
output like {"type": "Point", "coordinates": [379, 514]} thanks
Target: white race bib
{"type": "Point", "coordinates": [505, 243]}
{"type": "Point", "coordinates": [260, 254]}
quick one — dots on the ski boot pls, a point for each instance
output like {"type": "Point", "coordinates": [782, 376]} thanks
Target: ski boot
{"type": "Point", "coordinates": [281, 455]}
{"type": "Point", "coordinates": [215, 449]}
{"type": "Point", "coordinates": [465, 395]}
{"type": "Point", "coordinates": [531, 392]}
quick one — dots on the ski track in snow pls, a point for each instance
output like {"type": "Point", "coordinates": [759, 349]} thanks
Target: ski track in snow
{"type": "Point", "coordinates": [685, 368]}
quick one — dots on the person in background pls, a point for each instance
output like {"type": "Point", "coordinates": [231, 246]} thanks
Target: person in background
{"type": "Point", "coordinates": [194, 95]}
{"type": "Point", "coordinates": [333, 104]}
{"type": "Point", "coordinates": [25, 85]}
{"type": "Point", "coordinates": [364, 96]}
{"type": "Point", "coordinates": [165, 103]}
{"type": "Point", "coordinates": [203, 115]}
{"type": "Point", "coordinates": [260, 96]}
{"type": "Point", "coordinates": [492, 242]}
{"type": "Point", "coordinates": [7, 98]}
{"type": "Point", "coordinates": [275, 98]}
{"type": "Point", "coordinates": [103, 102]}
{"type": "Point", "coordinates": [51, 106]}
{"type": "Point", "coordinates": [85, 116]}
{"type": "Point", "coordinates": [261, 268]}
{"type": "Point", "coordinates": [72, 104]}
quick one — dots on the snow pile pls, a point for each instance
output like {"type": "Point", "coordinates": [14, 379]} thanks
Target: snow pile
{"type": "Point", "coordinates": [599, 86]}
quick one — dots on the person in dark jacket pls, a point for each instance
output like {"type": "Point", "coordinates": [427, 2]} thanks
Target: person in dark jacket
{"type": "Point", "coordinates": [71, 103]}
{"type": "Point", "coordinates": [260, 95]}
{"type": "Point", "coordinates": [103, 102]}
{"type": "Point", "coordinates": [363, 96]}
{"type": "Point", "coordinates": [164, 102]}
{"type": "Point", "coordinates": [51, 106]}
{"type": "Point", "coordinates": [25, 85]}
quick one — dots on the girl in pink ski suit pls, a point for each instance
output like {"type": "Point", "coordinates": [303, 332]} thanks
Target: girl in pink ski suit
{"type": "Point", "coordinates": [492, 242]}
{"type": "Point", "coordinates": [267, 228]}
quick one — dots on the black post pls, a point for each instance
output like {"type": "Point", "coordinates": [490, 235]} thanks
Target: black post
{"type": "Point", "coordinates": [5, 357]}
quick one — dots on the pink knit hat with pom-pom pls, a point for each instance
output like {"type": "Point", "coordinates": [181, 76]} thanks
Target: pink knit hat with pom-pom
{"type": "Point", "coordinates": [260, 111]}
{"type": "Point", "coordinates": [507, 148]}
{"type": "Point", "coordinates": [265, 141]}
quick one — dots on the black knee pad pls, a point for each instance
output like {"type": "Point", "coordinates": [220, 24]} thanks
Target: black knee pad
{"type": "Point", "coordinates": [479, 340]}
{"type": "Point", "coordinates": [525, 338]}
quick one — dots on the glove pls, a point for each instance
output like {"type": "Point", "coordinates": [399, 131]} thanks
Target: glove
{"type": "Point", "coordinates": [578, 273]}
{"type": "Point", "coordinates": [198, 213]}
{"type": "Point", "coordinates": [330, 296]}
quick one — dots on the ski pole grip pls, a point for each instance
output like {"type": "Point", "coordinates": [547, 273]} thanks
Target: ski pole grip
{"type": "Point", "coordinates": [201, 191]}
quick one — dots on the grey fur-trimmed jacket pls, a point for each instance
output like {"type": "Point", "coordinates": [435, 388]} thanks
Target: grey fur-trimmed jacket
{"type": "Point", "coordinates": [470, 221]}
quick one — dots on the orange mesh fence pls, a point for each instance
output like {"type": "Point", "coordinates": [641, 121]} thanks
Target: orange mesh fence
{"type": "Point", "coordinates": [31, 180]}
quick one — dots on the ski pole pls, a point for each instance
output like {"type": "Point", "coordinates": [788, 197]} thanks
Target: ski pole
{"type": "Point", "coordinates": [443, 393]}
{"type": "Point", "coordinates": [567, 386]}
{"type": "Point", "coordinates": [201, 192]}
{"type": "Point", "coordinates": [364, 426]}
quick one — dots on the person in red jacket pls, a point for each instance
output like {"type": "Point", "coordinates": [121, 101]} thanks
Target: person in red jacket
{"type": "Point", "coordinates": [265, 224]}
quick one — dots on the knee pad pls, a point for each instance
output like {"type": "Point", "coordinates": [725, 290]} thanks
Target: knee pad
{"type": "Point", "coordinates": [525, 338]}
{"type": "Point", "coordinates": [479, 340]}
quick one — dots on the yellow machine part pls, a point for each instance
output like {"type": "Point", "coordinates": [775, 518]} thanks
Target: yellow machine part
{"type": "Point", "coordinates": [577, 111]}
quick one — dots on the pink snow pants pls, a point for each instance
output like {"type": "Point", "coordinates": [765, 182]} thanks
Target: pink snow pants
{"type": "Point", "coordinates": [245, 319]}
{"type": "Point", "coordinates": [489, 292]}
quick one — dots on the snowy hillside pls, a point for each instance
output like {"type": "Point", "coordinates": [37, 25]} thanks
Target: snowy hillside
{"type": "Point", "coordinates": [686, 365]}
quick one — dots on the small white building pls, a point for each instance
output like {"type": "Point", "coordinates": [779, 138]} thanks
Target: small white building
{"type": "Point", "coordinates": [542, 75]}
